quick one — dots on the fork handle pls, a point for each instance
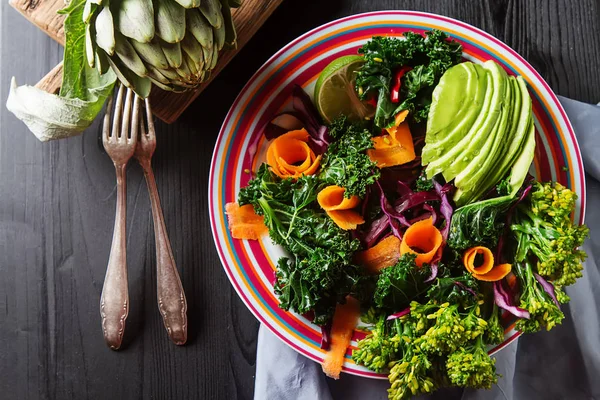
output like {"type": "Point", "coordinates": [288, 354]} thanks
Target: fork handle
{"type": "Point", "coordinates": [171, 297]}
{"type": "Point", "coordinates": [114, 302]}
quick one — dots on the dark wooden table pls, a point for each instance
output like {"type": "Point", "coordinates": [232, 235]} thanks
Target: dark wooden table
{"type": "Point", "coordinates": [57, 204]}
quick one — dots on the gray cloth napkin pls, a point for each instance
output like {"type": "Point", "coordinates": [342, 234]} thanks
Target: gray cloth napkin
{"type": "Point", "coordinates": [561, 364]}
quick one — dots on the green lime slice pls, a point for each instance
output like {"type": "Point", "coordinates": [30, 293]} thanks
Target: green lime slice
{"type": "Point", "coordinates": [335, 94]}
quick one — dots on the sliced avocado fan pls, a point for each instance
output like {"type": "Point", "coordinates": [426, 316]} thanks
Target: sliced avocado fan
{"type": "Point", "coordinates": [480, 127]}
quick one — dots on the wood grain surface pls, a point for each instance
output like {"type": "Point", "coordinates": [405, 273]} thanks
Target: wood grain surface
{"type": "Point", "coordinates": [57, 202]}
{"type": "Point", "coordinates": [168, 106]}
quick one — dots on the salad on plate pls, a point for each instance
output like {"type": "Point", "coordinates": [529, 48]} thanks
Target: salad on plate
{"type": "Point", "coordinates": [402, 197]}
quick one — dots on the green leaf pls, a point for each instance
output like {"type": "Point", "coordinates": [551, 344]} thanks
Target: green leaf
{"type": "Point", "coordinates": [82, 94]}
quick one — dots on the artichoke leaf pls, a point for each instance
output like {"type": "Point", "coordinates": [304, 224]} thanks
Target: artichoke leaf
{"type": "Point", "coordinates": [172, 52]}
{"type": "Point", "coordinates": [184, 72]}
{"type": "Point", "coordinates": [191, 66]}
{"type": "Point", "coordinates": [215, 57]}
{"type": "Point", "coordinates": [134, 19]}
{"type": "Point", "coordinates": [219, 34]}
{"type": "Point", "coordinates": [101, 61]}
{"type": "Point", "coordinates": [230, 32]}
{"type": "Point", "coordinates": [200, 28]}
{"type": "Point", "coordinates": [151, 53]}
{"type": "Point", "coordinates": [89, 46]}
{"type": "Point", "coordinates": [193, 49]}
{"type": "Point", "coordinates": [208, 55]}
{"type": "Point", "coordinates": [125, 51]}
{"type": "Point", "coordinates": [141, 86]}
{"type": "Point", "coordinates": [105, 31]}
{"type": "Point", "coordinates": [189, 3]}
{"type": "Point", "coordinates": [211, 9]}
{"type": "Point", "coordinates": [170, 20]}
{"type": "Point", "coordinates": [88, 10]}
{"type": "Point", "coordinates": [155, 75]}
{"type": "Point", "coordinates": [161, 85]}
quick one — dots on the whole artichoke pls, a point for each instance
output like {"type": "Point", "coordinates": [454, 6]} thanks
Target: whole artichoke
{"type": "Point", "coordinates": [173, 44]}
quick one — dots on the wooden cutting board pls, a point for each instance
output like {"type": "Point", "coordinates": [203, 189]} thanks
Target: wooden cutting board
{"type": "Point", "coordinates": [168, 106]}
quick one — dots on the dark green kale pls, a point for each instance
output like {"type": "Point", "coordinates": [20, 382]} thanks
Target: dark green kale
{"type": "Point", "coordinates": [346, 163]}
{"type": "Point", "coordinates": [479, 224]}
{"type": "Point", "coordinates": [399, 284]}
{"type": "Point", "coordinates": [422, 184]}
{"type": "Point", "coordinates": [429, 57]}
{"type": "Point", "coordinates": [319, 272]}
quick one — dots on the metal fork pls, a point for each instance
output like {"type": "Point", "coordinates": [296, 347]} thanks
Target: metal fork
{"type": "Point", "coordinates": [171, 298]}
{"type": "Point", "coordinates": [119, 142]}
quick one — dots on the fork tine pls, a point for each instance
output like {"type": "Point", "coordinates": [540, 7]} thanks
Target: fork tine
{"type": "Point", "coordinates": [106, 124]}
{"type": "Point", "coordinates": [149, 118]}
{"type": "Point", "coordinates": [126, 114]}
{"type": "Point", "coordinates": [135, 119]}
{"type": "Point", "coordinates": [118, 111]}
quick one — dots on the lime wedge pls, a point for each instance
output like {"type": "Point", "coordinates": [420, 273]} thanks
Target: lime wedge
{"type": "Point", "coordinates": [335, 94]}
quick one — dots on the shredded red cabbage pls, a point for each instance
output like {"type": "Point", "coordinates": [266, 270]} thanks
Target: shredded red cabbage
{"type": "Point", "coordinates": [445, 208]}
{"type": "Point", "coordinates": [326, 336]}
{"type": "Point", "coordinates": [548, 287]}
{"type": "Point", "coordinates": [465, 287]}
{"type": "Point", "coordinates": [303, 114]}
{"type": "Point", "coordinates": [504, 300]}
{"type": "Point", "coordinates": [402, 313]}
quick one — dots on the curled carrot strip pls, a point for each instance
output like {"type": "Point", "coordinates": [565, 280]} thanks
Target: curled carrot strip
{"type": "Point", "coordinates": [344, 321]}
{"type": "Point", "coordinates": [384, 254]}
{"type": "Point", "coordinates": [423, 239]}
{"type": "Point", "coordinates": [289, 155]}
{"type": "Point", "coordinates": [486, 271]}
{"type": "Point", "coordinates": [244, 223]}
{"type": "Point", "coordinates": [395, 148]}
{"type": "Point", "coordinates": [497, 273]}
{"type": "Point", "coordinates": [339, 208]}
{"type": "Point", "coordinates": [469, 260]}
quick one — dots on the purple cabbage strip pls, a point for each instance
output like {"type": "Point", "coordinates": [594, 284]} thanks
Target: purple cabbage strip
{"type": "Point", "coordinates": [434, 272]}
{"type": "Point", "coordinates": [326, 336]}
{"type": "Point", "coordinates": [403, 189]}
{"type": "Point", "coordinates": [414, 199]}
{"type": "Point", "coordinates": [465, 287]}
{"type": "Point", "coordinates": [432, 213]}
{"type": "Point", "coordinates": [445, 207]}
{"type": "Point", "coordinates": [505, 301]}
{"type": "Point", "coordinates": [548, 287]}
{"type": "Point", "coordinates": [376, 229]}
{"type": "Point", "coordinates": [509, 214]}
{"type": "Point", "coordinates": [393, 216]}
{"type": "Point", "coordinates": [402, 313]}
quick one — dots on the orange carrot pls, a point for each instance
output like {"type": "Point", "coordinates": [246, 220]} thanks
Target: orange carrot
{"type": "Point", "coordinates": [423, 239]}
{"type": "Point", "coordinates": [400, 117]}
{"type": "Point", "coordinates": [497, 273]}
{"type": "Point", "coordinates": [384, 254]}
{"type": "Point", "coordinates": [395, 148]}
{"type": "Point", "coordinates": [289, 155]}
{"type": "Point", "coordinates": [486, 271]}
{"type": "Point", "coordinates": [511, 279]}
{"type": "Point", "coordinates": [344, 321]}
{"type": "Point", "coordinates": [339, 208]}
{"type": "Point", "coordinates": [469, 260]}
{"type": "Point", "coordinates": [244, 223]}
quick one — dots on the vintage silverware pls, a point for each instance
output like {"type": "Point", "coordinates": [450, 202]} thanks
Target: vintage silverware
{"type": "Point", "coordinates": [119, 143]}
{"type": "Point", "coordinates": [171, 298]}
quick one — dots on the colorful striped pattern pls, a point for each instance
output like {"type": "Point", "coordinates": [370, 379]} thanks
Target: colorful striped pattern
{"type": "Point", "coordinates": [250, 264]}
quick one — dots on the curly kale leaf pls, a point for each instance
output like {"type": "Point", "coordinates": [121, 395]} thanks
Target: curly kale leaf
{"type": "Point", "coordinates": [479, 224]}
{"type": "Point", "coordinates": [318, 272]}
{"type": "Point", "coordinates": [346, 163]}
{"type": "Point", "coordinates": [399, 284]}
{"type": "Point", "coordinates": [429, 56]}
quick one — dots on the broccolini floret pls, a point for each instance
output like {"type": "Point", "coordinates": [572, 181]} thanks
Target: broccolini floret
{"type": "Point", "coordinates": [545, 313]}
{"type": "Point", "coordinates": [471, 366]}
{"type": "Point", "coordinates": [543, 228]}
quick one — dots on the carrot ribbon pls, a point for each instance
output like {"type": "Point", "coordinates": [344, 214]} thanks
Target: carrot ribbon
{"type": "Point", "coordinates": [289, 155]}
{"type": "Point", "coordinates": [339, 208]}
{"type": "Point", "coordinates": [486, 271]}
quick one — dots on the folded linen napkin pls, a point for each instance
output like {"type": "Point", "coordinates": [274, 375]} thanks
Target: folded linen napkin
{"type": "Point", "coordinates": [561, 364]}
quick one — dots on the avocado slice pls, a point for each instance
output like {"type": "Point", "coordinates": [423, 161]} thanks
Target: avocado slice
{"type": "Point", "coordinates": [520, 129]}
{"type": "Point", "coordinates": [461, 155]}
{"type": "Point", "coordinates": [456, 102]}
{"type": "Point", "coordinates": [470, 178]}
